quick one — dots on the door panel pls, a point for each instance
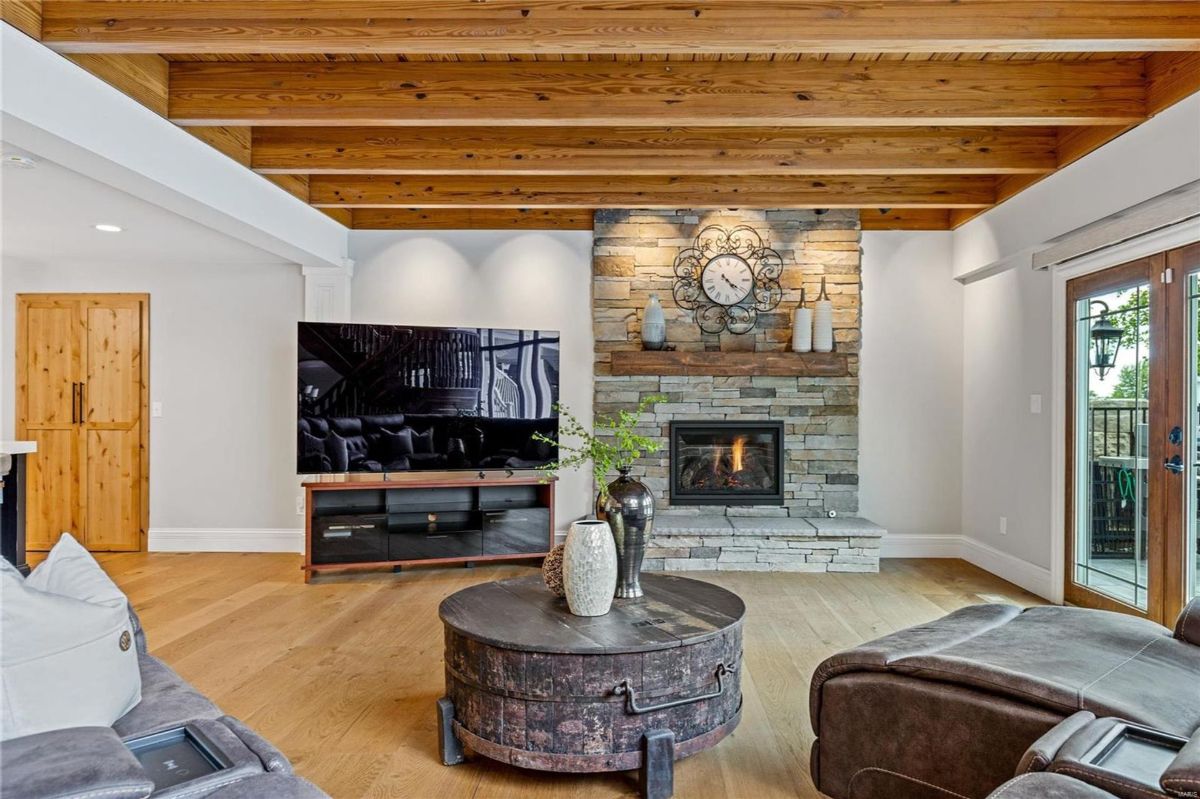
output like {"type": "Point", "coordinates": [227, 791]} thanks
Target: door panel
{"type": "Point", "coordinates": [51, 364]}
{"type": "Point", "coordinates": [1115, 438]}
{"type": "Point", "coordinates": [52, 488]}
{"type": "Point", "coordinates": [1133, 436]}
{"type": "Point", "coordinates": [112, 382]}
{"type": "Point", "coordinates": [114, 491]}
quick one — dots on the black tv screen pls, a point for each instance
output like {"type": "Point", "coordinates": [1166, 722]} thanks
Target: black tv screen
{"type": "Point", "coordinates": [393, 398]}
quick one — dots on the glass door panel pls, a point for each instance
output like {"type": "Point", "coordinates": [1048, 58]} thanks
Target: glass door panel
{"type": "Point", "coordinates": [1191, 367]}
{"type": "Point", "coordinates": [1112, 341]}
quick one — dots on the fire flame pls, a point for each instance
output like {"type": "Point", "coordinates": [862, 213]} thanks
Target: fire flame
{"type": "Point", "coordinates": [737, 453]}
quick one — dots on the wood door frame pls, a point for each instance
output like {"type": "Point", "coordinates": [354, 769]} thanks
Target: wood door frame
{"type": "Point", "coordinates": [1175, 565]}
{"type": "Point", "coordinates": [1145, 269]}
{"type": "Point", "coordinates": [143, 299]}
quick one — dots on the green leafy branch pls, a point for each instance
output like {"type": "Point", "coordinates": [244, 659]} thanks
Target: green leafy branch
{"type": "Point", "coordinates": [613, 445]}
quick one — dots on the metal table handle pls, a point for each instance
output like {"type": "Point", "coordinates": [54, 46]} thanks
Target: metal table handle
{"type": "Point", "coordinates": [624, 688]}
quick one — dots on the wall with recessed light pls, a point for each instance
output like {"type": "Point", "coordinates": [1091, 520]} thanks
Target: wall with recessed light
{"type": "Point", "coordinates": [516, 279]}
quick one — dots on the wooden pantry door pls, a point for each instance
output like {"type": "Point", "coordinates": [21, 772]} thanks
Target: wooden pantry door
{"type": "Point", "coordinates": [82, 394]}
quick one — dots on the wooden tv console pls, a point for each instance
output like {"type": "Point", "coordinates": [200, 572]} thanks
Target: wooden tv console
{"type": "Point", "coordinates": [414, 519]}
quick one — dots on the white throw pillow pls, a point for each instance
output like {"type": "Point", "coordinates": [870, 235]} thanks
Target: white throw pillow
{"type": "Point", "coordinates": [67, 654]}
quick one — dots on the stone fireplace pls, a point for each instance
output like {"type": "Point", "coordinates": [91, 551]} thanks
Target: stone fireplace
{"type": "Point", "coordinates": [772, 514]}
{"type": "Point", "coordinates": [726, 463]}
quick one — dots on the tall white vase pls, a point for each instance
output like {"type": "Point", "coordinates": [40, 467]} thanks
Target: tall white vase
{"type": "Point", "coordinates": [654, 325]}
{"type": "Point", "coordinates": [822, 335]}
{"type": "Point", "coordinates": [590, 568]}
{"type": "Point", "coordinates": [802, 327]}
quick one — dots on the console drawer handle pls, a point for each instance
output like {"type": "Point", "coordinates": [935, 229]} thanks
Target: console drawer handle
{"type": "Point", "coordinates": [624, 688]}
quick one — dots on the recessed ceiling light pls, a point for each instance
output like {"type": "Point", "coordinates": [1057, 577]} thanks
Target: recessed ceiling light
{"type": "Point", "coordinates": [19, 161]}
{"type": "Point", "coordinates": [103, 228]}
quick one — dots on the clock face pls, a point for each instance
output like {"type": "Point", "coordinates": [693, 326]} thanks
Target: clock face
{"type": "Point", "coordinates": [727, 279]}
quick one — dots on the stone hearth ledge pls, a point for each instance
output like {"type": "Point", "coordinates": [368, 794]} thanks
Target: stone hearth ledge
{"type": "Point", "coordinates": [691, 541]}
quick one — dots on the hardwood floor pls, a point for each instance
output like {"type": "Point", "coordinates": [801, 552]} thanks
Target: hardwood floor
{"type": "Point", "coordinates": [342, 674]}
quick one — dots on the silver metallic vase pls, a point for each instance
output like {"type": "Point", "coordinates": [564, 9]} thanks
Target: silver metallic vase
{"type": "Point", "coordinates": [629, 511]}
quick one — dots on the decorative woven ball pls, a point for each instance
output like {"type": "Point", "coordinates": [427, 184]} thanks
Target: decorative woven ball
{"type": "Point", "coordinates": [552, 572]}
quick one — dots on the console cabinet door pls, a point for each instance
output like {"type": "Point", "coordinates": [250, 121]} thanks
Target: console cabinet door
{"type": "Point", "coordinates": [82, 383]}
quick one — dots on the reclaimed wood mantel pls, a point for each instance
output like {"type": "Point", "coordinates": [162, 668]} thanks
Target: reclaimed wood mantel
{"type": "Point", "coordinates": [731, 364]}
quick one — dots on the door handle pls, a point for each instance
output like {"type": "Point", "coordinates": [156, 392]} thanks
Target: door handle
{"type": "Point", "coordinates": [1174, 464]}
{"type": "Point", "coordinates": [82, 386]}
{"type": "Point", "coordinates": [74, 403]}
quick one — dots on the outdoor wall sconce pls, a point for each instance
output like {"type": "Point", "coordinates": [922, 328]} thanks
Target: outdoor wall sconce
{"type": "Point", "coordinates": [1106, 340]}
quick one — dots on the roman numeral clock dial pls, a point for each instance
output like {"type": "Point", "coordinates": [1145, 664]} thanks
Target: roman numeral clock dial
{"type": "Point", "coordinates": [727, 278]}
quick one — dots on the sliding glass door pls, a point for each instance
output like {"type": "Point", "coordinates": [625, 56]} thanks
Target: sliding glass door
{"type": "Point", "coordinates": [1133, 449]}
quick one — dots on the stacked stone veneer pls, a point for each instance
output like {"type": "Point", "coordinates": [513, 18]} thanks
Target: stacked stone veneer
{"type": "Point", "coordinates": [747, 543]}
{"type": "Point", "coordinates": [633, 256]}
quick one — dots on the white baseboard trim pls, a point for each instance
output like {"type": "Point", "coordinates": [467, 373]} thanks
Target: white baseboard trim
{"type": "Point", "coordinates": [921, 546]}
{"type": "Point", "coordinates": [200, 539]}
{"type": "Point", "coordinates": [1035, 579]}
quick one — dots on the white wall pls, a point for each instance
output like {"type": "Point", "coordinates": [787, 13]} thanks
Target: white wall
{"type": "Point", "coordinates": [1008, 453]}
{"type": "Point", "coordinates": [910, 423]}
{"type": "Point", "coordinates": [530, 280]}
{"type": "Point", "coordinates": [1152, 159]}
{"type": "Point", "coordinates": [222, 363]}
{"type": "Point", "coordinates": [1007, 449]}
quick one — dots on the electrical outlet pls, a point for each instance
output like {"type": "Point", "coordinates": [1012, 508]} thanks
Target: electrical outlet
{"type": "Point", "coordinates": [1003, 525]}
{"type": "Point", "coordinates": [1035, 403]}
{"type": "Point", "coordinates": [300, 505]}
{"type": "Point", "coordinates": [156, 409]}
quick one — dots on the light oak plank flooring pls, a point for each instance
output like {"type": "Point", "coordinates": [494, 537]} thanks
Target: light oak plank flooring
{"type": "Point", "coordinates": [342, 674]}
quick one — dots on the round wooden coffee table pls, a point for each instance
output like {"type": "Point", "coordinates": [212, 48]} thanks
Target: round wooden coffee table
{"type": "Point", "coordinates": [529, 684]}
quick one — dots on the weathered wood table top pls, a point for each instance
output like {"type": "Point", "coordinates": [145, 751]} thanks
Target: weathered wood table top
{"type": "Point", "coordinates": [521, 614]}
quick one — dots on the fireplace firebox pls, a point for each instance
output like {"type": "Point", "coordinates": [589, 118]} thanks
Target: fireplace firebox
{"type": "Point", "coordinates": [726, 463]}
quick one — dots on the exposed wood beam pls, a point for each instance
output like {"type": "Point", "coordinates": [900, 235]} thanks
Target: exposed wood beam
{"type": "Point", "coordinates": [616, 26]}
{"type": "Point", "coordinates": [905, 219]}
{"type": "Point", "coordinates": [654, 151]}
{"type": "Point", "coordinates": [660, 93]}
{"type": "Point", "coordinates": [233, 142]}
{"type": "Point", "coordinates": [344, 216]}
{"type": "Point", "coordinates": [471, 218]}
{"type": "Point", "coordinates": [1170, 77]}
{"type": "Point", "coordinates": [530, 191]}
{"type": "Point", "coordinates": [24, 15]}
{"type": "Point", "coordinates": [295, 185]}
{"type": "Point", "coordinates": [142, 76]}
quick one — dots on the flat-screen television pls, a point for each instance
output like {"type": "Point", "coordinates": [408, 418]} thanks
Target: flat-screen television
{"type": "Point", "coordinates": [398, 398]}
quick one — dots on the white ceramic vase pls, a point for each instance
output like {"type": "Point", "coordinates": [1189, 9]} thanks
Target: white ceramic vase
{"type": "Point", "coordinates": [654, 325]}
{"type": "Point", "coordinates": [822, 336]}
{"type": "Point", "coordinates": [590, 568]}
{"type": "Point", "coordinates": [802, 330]}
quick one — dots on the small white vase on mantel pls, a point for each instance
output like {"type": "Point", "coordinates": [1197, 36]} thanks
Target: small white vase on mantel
{"type": "Point", "coordinates": [590, 568]}
{"type": "Point", "coordinates": [654, 325]}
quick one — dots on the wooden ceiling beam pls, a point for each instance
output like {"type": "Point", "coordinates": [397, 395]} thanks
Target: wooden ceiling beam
{"type": "Point", "coordinates": [653, 151]}
{"type": "Point", "coordinates": [24, 15]}
{"type": "Point", "coordinates": [470, 218]}
{"type": "Point", "coordinates": [616, 26]}
{"type": "Point", "coordinates": [660, 93]}
{"type": "Point", "coordinates": [905, 219]}
{"type": "Point", "coordinates": [623, 191]}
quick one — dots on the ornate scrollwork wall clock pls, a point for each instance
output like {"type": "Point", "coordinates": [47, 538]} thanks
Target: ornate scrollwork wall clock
{"type": "Point", "coordinates": [727, 278]}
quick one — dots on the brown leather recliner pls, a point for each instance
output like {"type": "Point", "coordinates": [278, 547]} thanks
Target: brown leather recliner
{"type": "Point", "coordinates": [949, 708]}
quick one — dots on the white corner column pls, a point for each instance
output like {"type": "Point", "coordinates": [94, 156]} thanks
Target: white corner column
{"type": "Point", "coordinates": [327, 292]}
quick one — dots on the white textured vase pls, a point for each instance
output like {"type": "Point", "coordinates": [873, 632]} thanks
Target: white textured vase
{"type": "Point", "coordinates": [654, 325]}
{"type": "Point", "coordinates": [822, 335]}
{"type": "Point", "coordinates": [802, 330]}
{"type": "Point", "coordinates": [590, 568]}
